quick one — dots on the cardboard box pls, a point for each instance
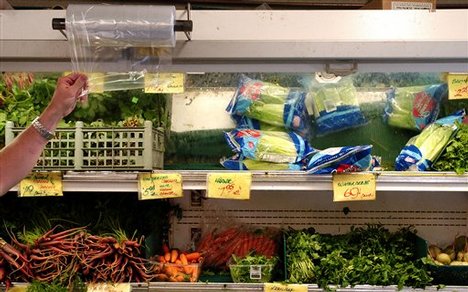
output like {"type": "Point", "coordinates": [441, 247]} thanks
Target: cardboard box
{"type": "Point", "coordinates": [401, 4]}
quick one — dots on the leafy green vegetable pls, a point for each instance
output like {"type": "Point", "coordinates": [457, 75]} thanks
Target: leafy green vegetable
{"type": "Point", "coordinates": [366, 255]}
{"type": "Point", "coordinates": [455, 155]}
{"type": "Point", "coordinates": [432, 140]}
{"type": "Point", "coordinates": [252, 268]}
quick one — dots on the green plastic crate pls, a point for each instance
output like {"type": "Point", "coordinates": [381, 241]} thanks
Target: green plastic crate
{"type": "Point", "coordinates": [100, 148]}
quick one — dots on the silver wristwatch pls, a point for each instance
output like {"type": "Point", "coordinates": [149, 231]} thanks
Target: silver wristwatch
{"type": "Point", "coordinates": [42, 130]}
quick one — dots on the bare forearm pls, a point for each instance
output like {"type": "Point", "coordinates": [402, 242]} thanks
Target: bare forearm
{"type": "Point", "coordinates": [19, 157]}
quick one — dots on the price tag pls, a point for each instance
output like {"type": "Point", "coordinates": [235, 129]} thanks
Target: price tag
{"type": "Point", "coordinates": [41, 184]}
{"type": "Point", "coordinates": [353, 187]}
{"type": "Point", "coordinates": [229, 185]}
{"type": "Point", "coordinates": [457, 86]}
{"type": "Point", "coordinates": [278, 287]}
{"type": "Point", "coordinates": [106, 287]}
{"type": "Point", "coordinates": [164, 82]}
{"type": "Point", "coordinates": [159, 186]}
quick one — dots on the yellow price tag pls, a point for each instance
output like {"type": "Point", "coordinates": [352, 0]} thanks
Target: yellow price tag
{"type": "Point", "coordinates": [354, 187]}
{"type": "Point", "coordinates": [164, 82]}
{"type": "Point", "coordinates": [458, 85]}
{"type": "Point", "coordinates": [229, 185]}
{"type": "Point", "coordinates": [278, 287]}
{"type": "Point", "coordinates": [106, 287]}
{"type": "Point", "coordinates": [41, 184]}
{"type": "Point", "coordinates": [159, 186]}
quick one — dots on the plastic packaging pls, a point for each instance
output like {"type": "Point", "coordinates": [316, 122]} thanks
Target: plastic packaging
{"type": "Point", "coordinates": [422, 150]}
{"type": "Point", "coordinates": [335, 104]}
{"type": "Point", "coordinates": [414, 107]}
{"type": "Point", "coordinates": [134, 37]}
{"type": "Point", "coordinates": [238, 163]}
{"type": "Point", "coordinates": [341, 159]}
{"type": "Point", "coordinates": [271, 104]}
{"type": "Point", "coordinates": [277, 147]}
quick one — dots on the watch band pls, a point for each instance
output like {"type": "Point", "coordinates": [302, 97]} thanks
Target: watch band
{"type": "Point", "coordinates": [42, 130]}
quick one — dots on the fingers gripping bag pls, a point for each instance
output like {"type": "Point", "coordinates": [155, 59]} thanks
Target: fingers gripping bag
{"type": "Point", "coordinates": [277, 147]}
{"type": "Point", "coordinates": [414, 107]}
{"type": "Point", "coordinates": [271, 104]}
{"type": "Point", "coordinates": [341, 159]}
{"type": "Point", "coordinates": [422, 150]}
{"type": "Point", "coordinates": [335, 104]}
{"type": "Point", "coordinates": [237, 162]}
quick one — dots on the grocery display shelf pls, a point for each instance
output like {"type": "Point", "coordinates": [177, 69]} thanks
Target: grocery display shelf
{"type": "Point", "coordinates": [106, 181]}
{"type": "Point", "coordinates": [243, 287]}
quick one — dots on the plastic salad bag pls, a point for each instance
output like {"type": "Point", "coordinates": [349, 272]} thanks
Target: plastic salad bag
{"type": "Point", "coordinates": [414, 107]}
{"type": "Point", "coordinates": [334, 102]}
{"type": "Point", "coordinates": [237, 162]}
{"type": "Point", "coordinates": [243, 122]}
{"type": "Point", "coordinates": [341, 159]}
{"type": "Point", "coordinates": [271, 104]}
{"type": "Point", "coordinates": [422, 150]}
{"type": "Point", "coordinates": [277, 147]}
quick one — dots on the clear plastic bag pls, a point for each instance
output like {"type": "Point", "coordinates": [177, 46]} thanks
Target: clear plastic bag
{"type": "Point", "coordinates": [237, 162]}
{"type": "Point", "coordinates": [341, 159]}
{"type": "Point", "coordinates": [414, 107]}
{"type": "Point", "coordinates": [335, 104]}
{"type": "Point", "coordinates": [136, 38]}
{"type": "Point", "coordinates": [271, 104]}
{"type": "Point", "coordinates": [423, 149]}
{"type": "Point", "coordinates": [277, 147]}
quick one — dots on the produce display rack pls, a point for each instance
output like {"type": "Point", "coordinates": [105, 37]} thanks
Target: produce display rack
{"type": "Point", "coordinates": [108, 181]}
{"type": "Point", "coordinates": [242, 287]}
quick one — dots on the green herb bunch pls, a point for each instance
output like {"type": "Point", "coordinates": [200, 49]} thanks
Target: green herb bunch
{"type": "Point", "coordinates": [455, 155]}
{"type": "Point", "coordinates": [366, 255]}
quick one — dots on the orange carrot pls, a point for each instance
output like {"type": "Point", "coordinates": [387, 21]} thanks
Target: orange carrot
{"type": "Point", "coordinates": [178, 262]}
{"type": "Point", "coordinates": [161, 259]}
{"type": "Point", "coordinates": [194, 256]}
{"type": "Point", "coordinates": [183, 259]}
{"type": "Point", "coordinates": [174, 255]}
{"type": "Point", "coordinates": [167, 257]}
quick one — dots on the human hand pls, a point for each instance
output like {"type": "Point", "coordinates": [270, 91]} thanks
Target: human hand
{"type": "Point", "coordinates": [70, 90]}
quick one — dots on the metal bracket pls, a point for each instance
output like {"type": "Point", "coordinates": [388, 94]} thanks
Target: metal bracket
{"type": "Point", "coordinates": [338, 70]}
{"type": "Point", "coordinates": [188, 34]}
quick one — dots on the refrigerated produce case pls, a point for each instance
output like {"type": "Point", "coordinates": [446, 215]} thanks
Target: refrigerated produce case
{"type": "Point", "coordinates": [286, 44]}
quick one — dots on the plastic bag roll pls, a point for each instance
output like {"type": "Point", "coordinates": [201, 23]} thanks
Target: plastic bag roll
{"type": "Point", "coordinates": [121, 25]}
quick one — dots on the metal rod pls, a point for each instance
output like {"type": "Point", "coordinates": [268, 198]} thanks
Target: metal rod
{"type": "Point", "coordinates": [179, 25]}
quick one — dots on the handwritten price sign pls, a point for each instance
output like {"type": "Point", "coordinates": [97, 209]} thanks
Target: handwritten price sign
{"type": "Point", "coordinates": [353, 187]}
{"type": "Point", "coordinates": [458, 86]}
{"type": "Point", "coordinates": [41, 184]}
{"type": "Point", "coordinates": [164, 83]}
{"type": "Point", "coordinates": [104, 287]}
{"type": "Point", "coordinates": [277, 287]}
{"type": "Point", "coordinates": [229, 185]}
{"type": "Point", "coordinates": [159, 186]}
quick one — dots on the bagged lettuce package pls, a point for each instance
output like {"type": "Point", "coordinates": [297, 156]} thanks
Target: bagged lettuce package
{"type": "Point", "coordinates": [334, 102]}
{"type": "Point", "coordinates": [237, 162]}
{"type": "Point", "coordinates": [422, 150]}
{"type": "Point", "coordinates": [414, 107]}
{"type": "Point", "coordinates": [341, 159]}
{"type": "Point", "coordinates": [243, 122]}
{"type": "Point", "coordinates": [271, 104]}
{"type": "Point", "coordinates": [271, 146]}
